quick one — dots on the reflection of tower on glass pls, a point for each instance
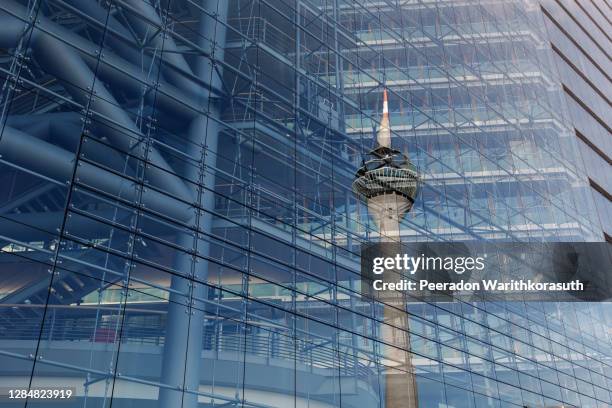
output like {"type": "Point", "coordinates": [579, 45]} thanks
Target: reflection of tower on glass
{"type": "Point", "coordinates": [388, 181]}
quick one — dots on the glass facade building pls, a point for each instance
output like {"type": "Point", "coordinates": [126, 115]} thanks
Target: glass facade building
{"type": "Point", "coordinates": [579, 32]}
{"type": "Point", "coordinates": [177, 225]}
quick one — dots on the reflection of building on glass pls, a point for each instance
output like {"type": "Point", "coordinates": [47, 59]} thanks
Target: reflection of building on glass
{"type": "Point", "coordinates": [388, 180]}
{"type": "Point", "coordinates": [177, 220]}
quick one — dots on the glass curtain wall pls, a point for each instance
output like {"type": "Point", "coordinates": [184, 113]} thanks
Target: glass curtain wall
{"type": "Point", "coordinates": [177, 226]}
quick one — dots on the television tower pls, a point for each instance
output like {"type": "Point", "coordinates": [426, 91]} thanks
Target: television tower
{"type": "Point", "coordinates": [389, 181]}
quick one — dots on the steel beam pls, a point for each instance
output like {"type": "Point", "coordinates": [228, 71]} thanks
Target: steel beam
{"type": "Point", "coordinates": [64, 63]}
{"type": "Point", "coordinates": [36, 155]}
{"type": "Point", "coordinates": [143, 18]}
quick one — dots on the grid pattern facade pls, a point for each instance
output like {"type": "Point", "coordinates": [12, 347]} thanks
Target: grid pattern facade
{"type": "Point", "coordinates": [579, 33]}
{"type": "Point", "coordinates": [178, 229]}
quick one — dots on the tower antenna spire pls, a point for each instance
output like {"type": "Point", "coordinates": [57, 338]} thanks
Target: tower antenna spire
{"type": "Point", "coordinates": [383, 137]}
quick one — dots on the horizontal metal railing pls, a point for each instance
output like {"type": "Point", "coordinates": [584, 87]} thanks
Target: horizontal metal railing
{"type": "Point", "coordinates": [266, 345]}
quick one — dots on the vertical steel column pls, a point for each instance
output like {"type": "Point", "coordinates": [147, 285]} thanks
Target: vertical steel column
{"type": "Point", "coordinates": [339, 70]}
{"type": "Point", "coordinates": [185, 326]}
